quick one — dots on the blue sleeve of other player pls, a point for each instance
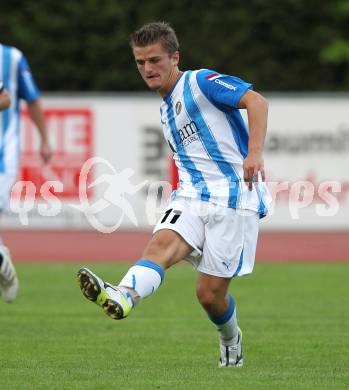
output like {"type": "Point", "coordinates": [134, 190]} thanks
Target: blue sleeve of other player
{"type": "Point", "coordinates": [222, 90]}
{"type": "Point", "coordinates": [27, 88]}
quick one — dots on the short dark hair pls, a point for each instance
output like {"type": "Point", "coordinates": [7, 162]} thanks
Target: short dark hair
{"type": "Point", "coordinates": [154, 32]}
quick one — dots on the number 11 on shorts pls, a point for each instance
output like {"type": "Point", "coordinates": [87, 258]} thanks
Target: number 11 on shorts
{"type": "Point", "coordinates": [175, 214]}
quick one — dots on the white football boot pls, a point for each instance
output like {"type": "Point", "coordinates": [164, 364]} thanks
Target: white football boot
{"type": "Point", "coordinates": [8, 276]}
{"type": "Point", "coordinates": [231, 356]}
{"type": "Point", "coordinates": [112, 301]}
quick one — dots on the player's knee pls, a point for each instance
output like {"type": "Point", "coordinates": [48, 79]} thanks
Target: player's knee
{"type": "Point", "coordinates": [207, 299]}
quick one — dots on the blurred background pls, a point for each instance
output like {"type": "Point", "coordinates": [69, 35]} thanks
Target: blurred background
{"type": "Point", "coordinates": [295, 52]}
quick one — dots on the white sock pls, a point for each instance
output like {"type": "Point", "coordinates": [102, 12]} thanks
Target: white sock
{"type": "Point", "coordinates": [144, 278]}
{"type": "Point", "coordinates": [227, 325]}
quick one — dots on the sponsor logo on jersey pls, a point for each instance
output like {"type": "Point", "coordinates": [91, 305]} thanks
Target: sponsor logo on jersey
{"type": "Point", "coordinates": [215, 77]}
{"type": "Point", "coordinates": [226, 85]}
{"type": "Point", "coordinates": [188, 130]}
{"type": "Point", "coordinates": [188, 134]}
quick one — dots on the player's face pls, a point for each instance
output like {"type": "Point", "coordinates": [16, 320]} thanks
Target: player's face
{"type": "Point", "coordinates": [157, 67]}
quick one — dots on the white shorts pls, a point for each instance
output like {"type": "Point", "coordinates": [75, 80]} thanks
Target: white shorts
{"type": "Point", "coordinates": [223, 239]}
{"type": "Point", "coordinates": [6, 183]}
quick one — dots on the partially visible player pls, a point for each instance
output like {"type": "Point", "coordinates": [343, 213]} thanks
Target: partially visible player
{"type": "Point", "coordinates": [5, 100]}
{"type": "Point", "coordinates": [18, 81]}
{"type": "Point", "coordinates": [212, 219]}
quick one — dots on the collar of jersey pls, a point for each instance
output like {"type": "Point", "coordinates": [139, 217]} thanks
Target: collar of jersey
{"type": "Point", "coordinates": [174, 86]}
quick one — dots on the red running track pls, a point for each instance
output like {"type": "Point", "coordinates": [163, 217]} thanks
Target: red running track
{"type": "Point", "coordinates": [81, 246]}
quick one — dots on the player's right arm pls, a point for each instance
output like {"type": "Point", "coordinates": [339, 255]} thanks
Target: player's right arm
{"type": "Point", "coordinates": [5, 100]}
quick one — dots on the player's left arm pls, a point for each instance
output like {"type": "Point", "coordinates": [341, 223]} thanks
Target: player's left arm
{"type": "Point", "coordinates": [28, 91]}
{"type": "Point", "coordinates": [37, 114]}
{"type": "Point", "coordinates": [5, 100]}
{"type": "Point", "coordinates": [257, 112]}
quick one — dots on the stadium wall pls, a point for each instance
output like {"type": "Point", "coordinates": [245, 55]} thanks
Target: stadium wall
{"type": "Point", "coordinates": [307, 155]}
{"type": "Point", "coordinates": [124, 184]}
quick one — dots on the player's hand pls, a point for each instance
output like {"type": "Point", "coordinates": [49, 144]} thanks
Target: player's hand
{"type": "Point", "coordinates": [252, 165]}
{"type": "Point", "coordinates": [45, 152]}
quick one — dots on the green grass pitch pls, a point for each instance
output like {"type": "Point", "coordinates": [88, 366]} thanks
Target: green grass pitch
{"type": "Point", "coordinates": [294, 317]}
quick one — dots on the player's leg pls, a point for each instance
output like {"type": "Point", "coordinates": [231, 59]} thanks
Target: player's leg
{"type": "Point", "coordinates": [212, 293]}
{"type": "Point", "coordinates": [228, 251]}
{"type": "Point", "coordinates": [8, 275]}
{"type": "Point", "coordinates": [167, 247]}
{"type": "Point", "coordinates": [164, 249]}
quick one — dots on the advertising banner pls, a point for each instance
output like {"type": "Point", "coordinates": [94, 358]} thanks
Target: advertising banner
{"type": "Point", "coordinates": [111, 167]}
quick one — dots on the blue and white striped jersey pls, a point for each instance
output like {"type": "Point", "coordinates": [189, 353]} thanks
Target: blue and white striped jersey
{"type": "Point", "coordinates": [18, 80]}
{"type": "Point", "coordinates": [204, 128]}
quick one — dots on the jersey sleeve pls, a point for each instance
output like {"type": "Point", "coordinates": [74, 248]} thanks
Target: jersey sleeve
{"type": "Point", "coordinates": [222, 90]}
{"type": "Point", "coordinates": [27, 88]}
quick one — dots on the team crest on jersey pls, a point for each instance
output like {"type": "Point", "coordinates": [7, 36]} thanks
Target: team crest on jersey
{"type": "Point", "coordinates": [178, 107]}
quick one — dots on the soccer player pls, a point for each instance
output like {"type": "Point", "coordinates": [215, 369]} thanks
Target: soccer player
{"type": "Point", "coordinates": [19, 83]}
{"type": "Point", "coordinates": [212, 219]}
